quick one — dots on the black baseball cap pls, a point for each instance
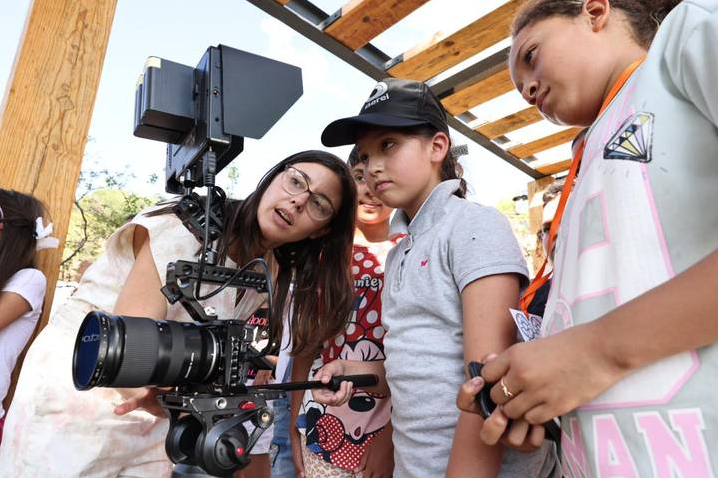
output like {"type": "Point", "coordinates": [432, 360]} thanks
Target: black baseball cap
{"type": "Point", "coordinates": [394, 103]}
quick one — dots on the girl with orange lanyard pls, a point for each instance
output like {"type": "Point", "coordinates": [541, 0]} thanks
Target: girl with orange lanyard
{"type": "Point", "coordinates": [629, 352]}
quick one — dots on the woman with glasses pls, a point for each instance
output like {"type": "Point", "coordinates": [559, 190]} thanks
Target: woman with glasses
{"type": "Point", "coordinates": [300, 219]}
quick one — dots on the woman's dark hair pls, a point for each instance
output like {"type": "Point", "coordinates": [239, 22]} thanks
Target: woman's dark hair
{"type": "Point", "coordinates": [644, 16]}
{"type": "Point", "coordinates": [318, 268]}
{"type": "Point", "coordinates": [450, 166]}
{"type": "Point", "coordinates": [17, 237]}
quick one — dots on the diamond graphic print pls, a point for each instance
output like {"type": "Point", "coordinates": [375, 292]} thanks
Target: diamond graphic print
{"type": "Point", "coordinates": [633, 140]}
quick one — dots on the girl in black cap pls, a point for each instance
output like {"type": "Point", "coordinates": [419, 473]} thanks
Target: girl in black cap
{"type": "Point", "coordinates": [454, 276]}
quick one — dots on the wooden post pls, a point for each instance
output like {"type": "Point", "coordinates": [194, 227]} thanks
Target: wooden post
{"type": "Point", "coordinates": [47, 110]}
{"type": "Point", "coordinates": [535, 190]}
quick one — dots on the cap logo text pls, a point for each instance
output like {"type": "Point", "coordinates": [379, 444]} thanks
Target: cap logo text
{"type": "Point", "coordinates": [379, 94]}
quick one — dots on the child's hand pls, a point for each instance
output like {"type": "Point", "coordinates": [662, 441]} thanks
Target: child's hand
{"type": "Point", "coordinates": [548, 377]}
{"type": "Point", "coordinates": [295, 441]}
{"type": "Point", "coordinates": [465, 399]}
{"type": "Point", "coordinates": [326, 396]}
{"type": "Point", "coordinates": [145, 398]}
{"type": "Point", "coordinates": [520, 435]}
{"type": "Point", "coordinates": [263, 377]}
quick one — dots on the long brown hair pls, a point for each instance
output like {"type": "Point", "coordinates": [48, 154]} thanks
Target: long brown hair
{"type": "Point", "coordinates": [17, 237]}
{"type": "Point", "coordinates": [318, 269]}
{"type": "Point", "coordinates": [644, 16]}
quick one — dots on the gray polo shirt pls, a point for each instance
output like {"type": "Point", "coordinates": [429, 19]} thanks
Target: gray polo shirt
{"type": "Point", "coordinates": [449, 244]}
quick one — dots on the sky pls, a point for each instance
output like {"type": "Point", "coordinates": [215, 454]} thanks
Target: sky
{"type": "Point", "coordinates": [181, 31]}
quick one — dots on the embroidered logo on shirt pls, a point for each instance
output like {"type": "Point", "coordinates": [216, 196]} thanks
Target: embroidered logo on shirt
{"type": "Point", "coordinates": [424, 262]}
{"type": "Point", "coordinates": [633, 140]}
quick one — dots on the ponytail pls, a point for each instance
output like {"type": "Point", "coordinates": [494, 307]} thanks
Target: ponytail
{"type": "Point", "coordinates": [643, 16]}
{"type": "Point", "coordinates": [452, 169]}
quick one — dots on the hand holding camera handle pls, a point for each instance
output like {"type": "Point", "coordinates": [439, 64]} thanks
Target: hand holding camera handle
{"type": "Point", "coordinates": [487, 406]}
{"type": "Point", "coordinates": [359, 381]}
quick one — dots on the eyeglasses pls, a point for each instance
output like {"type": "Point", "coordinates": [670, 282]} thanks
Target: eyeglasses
{"type": "Point", "coordinates": [296, 182]}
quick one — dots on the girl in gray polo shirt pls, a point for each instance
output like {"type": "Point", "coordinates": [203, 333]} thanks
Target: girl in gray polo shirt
{"type": "Point", "coordinates": [448, 286]}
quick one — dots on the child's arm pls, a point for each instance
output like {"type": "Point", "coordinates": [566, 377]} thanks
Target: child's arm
{"type": "Point", "coordinates": [554, 375]}
{"type": "Point", "coordinates": [487, 327]}
{"type": "Point", "coordinates": [12, 307]}
{"type": "Point", "coordinates": [21, 296]}
{"type": "Point", "coordinates": [378, 460]}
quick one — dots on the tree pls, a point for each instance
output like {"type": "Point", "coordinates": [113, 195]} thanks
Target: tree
{"type": "Point", "coordinates": [101, 206]}
{"type": "Point", "coordinates": [519, 220]}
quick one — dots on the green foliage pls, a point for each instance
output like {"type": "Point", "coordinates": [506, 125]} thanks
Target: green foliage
{"type": "Point", "coordinates": [519, 220]}
{"type": "Point", "coordinates": [99, 214]}
{"type": "Point", "coordinates": [507, 207]}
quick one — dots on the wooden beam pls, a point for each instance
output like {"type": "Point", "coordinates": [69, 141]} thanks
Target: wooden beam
{"type": "Point", "coordinates": [47, 110]}
{"type": "Point", "coordinates": [552, 168]}
{"type": "Point", "coordinates": [526, 150]}
{"type": "Point", "coordinates": [484, 90]}
{"type": "Point", "coordinates": [363, 20]}
{"type": "Point", "coordinates": [535, 191]}
{"type": "Point", "coordinates": [510, 123]}
{"type": "Point", "coordinates": [426, 61]}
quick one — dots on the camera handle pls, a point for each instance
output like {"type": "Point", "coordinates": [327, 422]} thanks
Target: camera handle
{"type": "Point", "coordinates": [182, 275]}
{"type": "Point", "coordinates": [359, 381]}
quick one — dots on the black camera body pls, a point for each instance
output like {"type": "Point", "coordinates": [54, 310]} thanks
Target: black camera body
{"type": "Point", "coordinates": [206, 363]}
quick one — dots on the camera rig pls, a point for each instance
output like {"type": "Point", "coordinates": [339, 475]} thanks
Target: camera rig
{"type": "Point", "coordinates": [203, 114]}
{"type": "Point", "coordinates": [207, 421]}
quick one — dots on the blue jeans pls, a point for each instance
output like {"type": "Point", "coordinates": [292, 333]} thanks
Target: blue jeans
{"type": "Point", "coordinates": [282, 464]}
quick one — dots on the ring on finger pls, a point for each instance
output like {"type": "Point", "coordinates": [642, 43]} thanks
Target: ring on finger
{"type": "Point", "coordinates": [505, 389]}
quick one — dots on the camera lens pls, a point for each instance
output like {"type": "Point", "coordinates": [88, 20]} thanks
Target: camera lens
{"type": "Point", "coordinates": [120, 351]}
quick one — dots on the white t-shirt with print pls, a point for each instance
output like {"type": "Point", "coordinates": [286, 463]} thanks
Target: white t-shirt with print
{"type": "Point", "coordinates": [642, 212]}
{"type": "Point", "coordinates": [30, 285]}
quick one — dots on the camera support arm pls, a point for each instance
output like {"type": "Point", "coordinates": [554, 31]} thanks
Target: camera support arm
{"type": "Point", "coordinates": [183, 275]}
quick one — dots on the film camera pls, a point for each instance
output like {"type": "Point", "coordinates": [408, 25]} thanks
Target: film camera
{"type": "Point", "coordinates": [203, 114]}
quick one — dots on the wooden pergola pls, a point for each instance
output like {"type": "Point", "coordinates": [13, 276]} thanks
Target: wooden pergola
{"type": "Point", "coordinates": [348, 33]}
{"type": "Point", "coordinates": [48, 105]}
{"type": "Point", "coordinates": [465, 69]}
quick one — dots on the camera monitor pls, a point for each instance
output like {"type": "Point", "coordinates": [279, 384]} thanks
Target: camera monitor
{"type": "Point", "coordinates": [230, 94]}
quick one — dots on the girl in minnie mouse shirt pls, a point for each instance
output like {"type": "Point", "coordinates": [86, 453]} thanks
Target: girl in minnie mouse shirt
{"type": "Point", "coordinates": [355, 437]}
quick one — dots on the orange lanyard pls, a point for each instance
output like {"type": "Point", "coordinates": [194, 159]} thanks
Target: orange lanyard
{"type": "Point", "coordinates": [540, 279]}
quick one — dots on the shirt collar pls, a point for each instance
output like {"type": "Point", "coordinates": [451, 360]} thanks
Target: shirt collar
{"type": "Point", "coordinates": [430, 212]}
